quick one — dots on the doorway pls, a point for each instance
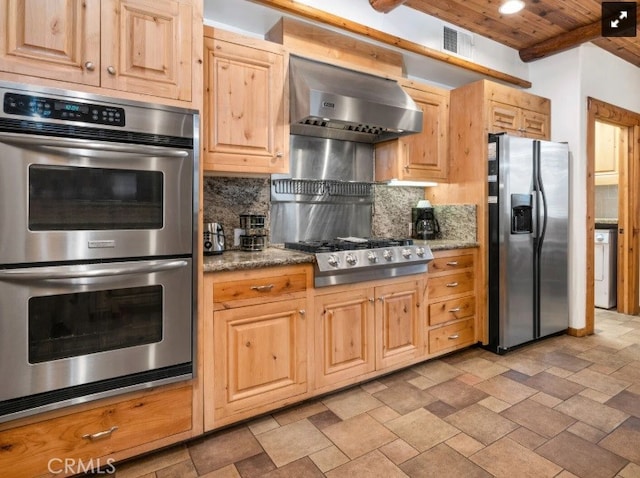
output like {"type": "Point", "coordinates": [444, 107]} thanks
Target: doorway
{"type": "Point", "coordinates": [613, 155]}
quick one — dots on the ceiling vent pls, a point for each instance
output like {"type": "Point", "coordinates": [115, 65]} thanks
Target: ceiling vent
{"type": "Point", "coordinates": [457, 42]}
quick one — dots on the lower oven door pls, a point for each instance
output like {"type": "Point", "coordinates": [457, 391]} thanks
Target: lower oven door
{"type": "Point", "coordinates": [74, 332]}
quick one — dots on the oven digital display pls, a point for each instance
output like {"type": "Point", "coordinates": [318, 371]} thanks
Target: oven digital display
{"type": "Point", "coordinates": [53, 108]}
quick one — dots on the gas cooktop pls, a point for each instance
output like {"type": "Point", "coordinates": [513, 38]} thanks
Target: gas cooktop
{"type": "Point", "coordinates": [350, 259]}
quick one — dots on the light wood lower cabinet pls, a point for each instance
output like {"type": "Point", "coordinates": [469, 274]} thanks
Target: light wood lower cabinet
{"type": "Point", "coordinates": [362, 330]}
{"type": "Point", "coordinates": [451, 293]}
{"type": "Point", "coordinates": [90, 438]}
{"type": "Point", "coordinates": [255, 341]}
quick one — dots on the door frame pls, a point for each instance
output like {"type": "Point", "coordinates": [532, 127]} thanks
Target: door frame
{"type": "Point", "coordinates": [628, 213]}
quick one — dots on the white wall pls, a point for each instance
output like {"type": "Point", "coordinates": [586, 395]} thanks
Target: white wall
{"type": "Point", "coordinates": [567, 79]}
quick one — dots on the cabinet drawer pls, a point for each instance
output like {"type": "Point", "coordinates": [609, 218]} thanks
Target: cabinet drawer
{"type": "Point", "coordinates": [449, 310]}
{"type": "Point", "coordinates": [451, 336]}
{"type": "Point", "coordinates": [26, 451]}
{"type": "Point", "coordinates": [267, 287]}
{"type": "Point", "coordinates": [449, 285]}
{"type": "Point", "coordinates": [451, 263]}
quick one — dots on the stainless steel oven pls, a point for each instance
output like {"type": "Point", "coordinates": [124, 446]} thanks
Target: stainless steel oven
{"type": "Point", "coordinates": [98, 241]}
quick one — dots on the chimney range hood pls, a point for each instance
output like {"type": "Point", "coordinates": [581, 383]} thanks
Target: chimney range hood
{"type": "Point", "coordinates": [337, 103]}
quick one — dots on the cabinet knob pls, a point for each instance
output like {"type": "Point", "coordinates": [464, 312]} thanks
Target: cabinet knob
{"type": "Point", "coordinates": [453, 311]}
{"type": "Point", "coordinates": [452, 284]}
{"type": "Point", "coordinates": [454, 337]}
{"type": "Point", "coordinates": [279, 154]}
{"type": "Point", "coordinates": [302, 312]}
{"type": "Point", "coordinates": [262, 288]}
{"type": "Point", "coordinates": [452, 263]}
{"type": "Point", "coordinates": [381, 299]}
{"type": "Point", "coordinates": [100, 435]}
{"type": "Point", "coordinates": [89, 66]}
{"type": "Point", "coordinates": [111, 70]}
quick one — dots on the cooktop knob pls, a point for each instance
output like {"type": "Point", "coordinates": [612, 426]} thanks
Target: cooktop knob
{"type": "Point", "coordinates": [372, 256]}
{"type": "Point", "coordinates": [388, 254]}
{"type": "Point", "coordinates": [333, 260]}
{"type": "Point", "coordinates": [351, 259]}
{"type": "Point", "coordinates": [420, 251]}
{"type": "Point", "coordinates": [406, 253]}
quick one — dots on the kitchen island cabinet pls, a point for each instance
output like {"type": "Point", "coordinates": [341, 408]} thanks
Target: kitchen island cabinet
{"type": "Point", "coordinates": [246, 105]}
{"type": "Point", "coordinates": [422, 156]}
{"type": "Point", "coordinates": [134, 46]}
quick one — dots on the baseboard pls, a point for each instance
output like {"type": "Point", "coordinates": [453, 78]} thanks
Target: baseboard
{"type": "Point", "coordinates": [577, 332]}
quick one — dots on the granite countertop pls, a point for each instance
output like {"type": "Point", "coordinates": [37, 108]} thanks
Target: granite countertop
{"type": "Point", "coordinates": [232, 260]}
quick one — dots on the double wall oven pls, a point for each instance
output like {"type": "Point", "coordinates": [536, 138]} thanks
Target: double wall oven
{"type": "Point", "coordinates": [98, 226]}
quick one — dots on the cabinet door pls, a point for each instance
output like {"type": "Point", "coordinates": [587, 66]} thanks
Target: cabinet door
{"type": "Point", "coordinates": [345, 336]}
{"type": "Point", "coordinates": [246, 109]}
{"type": "Point", "coordinates": [401, 323]}
{"type": "Point", "coordinates": [57, 39]}
{"type": "Point", "coordinates": [427, 151]}
{"type": "Point", "coordinates": [146, 47]}
{"type": "Point", "coordinates": [260, 355]}
{"type": "Point", "coordinates": [534, 125]}
{"type": "Point", "coordinates": [504, 118]}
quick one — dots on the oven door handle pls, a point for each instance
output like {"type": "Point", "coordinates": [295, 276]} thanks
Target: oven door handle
{"type": "Point", "coordinates": [84, 271]}
{"type": "Point", "coordinates": [27, 141]}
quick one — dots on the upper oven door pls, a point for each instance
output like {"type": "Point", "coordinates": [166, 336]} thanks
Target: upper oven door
{"type": "Point", "coordinates": [76, 199]}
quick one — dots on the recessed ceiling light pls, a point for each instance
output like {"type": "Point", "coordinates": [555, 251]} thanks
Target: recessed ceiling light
{"type": "Point", "coordinates": [511, 6]}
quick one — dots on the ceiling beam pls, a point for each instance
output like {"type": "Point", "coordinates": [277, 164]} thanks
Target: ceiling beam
{"type": "Point", "coordinates": [298, 9]}
{"type": "Point", "coordinates": [385, 6]}
{"type": "Point", "coordinates": [564, 41]}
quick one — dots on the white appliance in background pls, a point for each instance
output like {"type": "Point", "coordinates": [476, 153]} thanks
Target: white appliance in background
{"type": "Point", "coordinates": [605, 268]}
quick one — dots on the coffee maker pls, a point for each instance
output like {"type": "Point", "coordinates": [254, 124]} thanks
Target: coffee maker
{"type": "Point", "coordinates": [424, 224]}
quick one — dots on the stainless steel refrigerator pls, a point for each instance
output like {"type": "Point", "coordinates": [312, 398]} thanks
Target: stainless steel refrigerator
{"type": "Point", "coordinates": [528, 240]}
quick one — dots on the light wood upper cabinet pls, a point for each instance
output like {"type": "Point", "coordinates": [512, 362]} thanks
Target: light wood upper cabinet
{"type": "Point", "coordinates": [518, 121]}
{"type": "Point", "coordinates": [421, 156]}
{"type": "Point", "coordinates": [246, 107]}
{"type": "Point", "coordinates": [137, 46]}
{"type": "Point", "coordinates": [610, 149]}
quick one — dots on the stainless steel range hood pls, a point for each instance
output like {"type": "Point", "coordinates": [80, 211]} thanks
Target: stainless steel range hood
{"type": "Point", "coordinates": [336, 103]}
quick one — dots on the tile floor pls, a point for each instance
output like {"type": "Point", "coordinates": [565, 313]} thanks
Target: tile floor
{"type": "Point", "coordinates": [563, 407]}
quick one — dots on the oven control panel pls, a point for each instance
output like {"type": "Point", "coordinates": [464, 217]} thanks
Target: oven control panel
{"type": "Point", "coordinates": [55, 108]}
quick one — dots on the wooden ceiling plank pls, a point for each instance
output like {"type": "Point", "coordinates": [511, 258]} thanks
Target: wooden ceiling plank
{"type": "Point", "coordinates": [385, 6]}
{"type": "Point", "coordinates": [294, 8]}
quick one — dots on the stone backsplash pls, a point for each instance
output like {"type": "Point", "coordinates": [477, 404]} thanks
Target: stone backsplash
{"type": "Point", "coordinates": [226, 198]}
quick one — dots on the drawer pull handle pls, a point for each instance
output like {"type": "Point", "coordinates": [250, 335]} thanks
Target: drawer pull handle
{"type": "Point", "coordinates": [452, 284]}
{"type": "Point", "coordinates": [262, 288]}
{"type": "Point", "coordinates": [100, 435]}
{"type": "Point", "coordinates": [452, 263]}
{"type": "Point", "coordinates": [454, 337]}
{"type": "Point", "coordinates": [457, 309]}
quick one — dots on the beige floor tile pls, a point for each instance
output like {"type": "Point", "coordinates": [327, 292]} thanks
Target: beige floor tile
{"type": "Point", "coordinates": [566, 474]}
{"type": "Point", "coordinates": [152, 463]}
{"type": "Point", "coordinates": [482, 368]}
{"type": "Point", "coordinates": [262, 424]}
{"type": "Point", "coordinates": [526, 438]}
{"type": "Point", "coordinates": [506, 459]}
{"type": "Point", "coordinates": [371, 465]}
{"type": "Point", "coordinates": [587, 432]}
{"type": "Point", "coordinates": [422, 382]}
{"type": "Point", "coordinates": [604, 356]}
{"type": "Point", "coordinates": [329, 458]}
{"type": "Point", "coordinates": [351, 403]}
{"type": "Point", "coordinates": [373, 387]}
{"type": "Point", "coordinates": [625, 440]}
{"type": "Point", "coordinates": [469, 379]}
{"type": "Point", "coordinates": [602, 383]}
{"type": "Point", "coordinates": [228, 471]}
{"type": "Point", "coordinates": [481, 423]}
{"type": "Point", "coordinates": [421, 429]}
{"type": "Point", "coordinates": [594, 395]}
{"type": "Point", "coordinates": [553, 385]}
{"type": "Point", "coordinates": [536, 417]}
{"type": "Point", "coordinates": [256, 465]}
{"type": "Point", "coordinates": [630, 372]}
{"type": "Point", "coordinates": [506, 389]}
{"type": "Point", "coordinates": [464, 444]}
{"type": "Point", "coordinates": [565, 361]}
{"type": "Point", "coordinates": [383, 414]}
{"type": "Point", "coordinates": [292, 442]}
{"type": "Point", "coordinates": [627, 402]}
{"type": "Point", "coordinates": [398, 451]}
{"type": "Point", "coordinates": [299, 412]}
{"type": "Point", "coordinates": [593, 413]}
{"type": "Point", "coordinates": [581, 457]}
{"type": "Point", "coordinates": [442, 461]}
{"type": "Point", "coordinates": [358, 435]}
{"type": "Point", "coordinates": [457, 394]}
{"type": "Point", "coordinates": [546, 399]}
{"type": "Point", "coordinates": [559, 372]}
{"type": "Point", "coordinates": [437, 371]}
{"type": "Point", "coordinates": [223, 448]}
{"type": "Point", "coordinates": [523, 365]}
{"type": "Point", "coordinates": [304, 467]}
{"type": "Point", "coordinates": [630, 471]}
{"type": "Point", "coordinates": [404, 398]}
{"type": "Point", "coordinates": [494, 404]}
{"type": "Point", "coordinates": [184, 469]}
